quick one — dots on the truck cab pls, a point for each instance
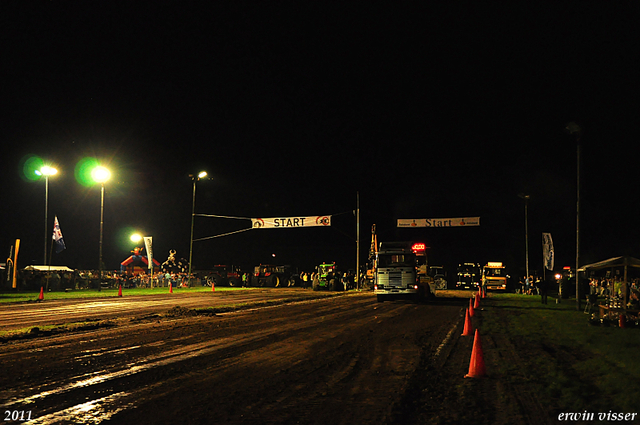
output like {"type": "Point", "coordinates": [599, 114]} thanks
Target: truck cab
{"type": "Point", "coordinates": [494, 276]}
{"type": "Point", "coordinates": [397, 273]}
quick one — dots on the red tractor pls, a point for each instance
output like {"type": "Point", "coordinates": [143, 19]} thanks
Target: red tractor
{"type": "Point", "coordinates": [270, 276]}
{"type": "Point", "coordinates": [225, 275]}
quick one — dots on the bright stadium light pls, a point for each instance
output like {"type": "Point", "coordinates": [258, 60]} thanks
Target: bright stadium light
{"type": "Point", "coordinates": [201, 174]}
{"type": "Point", "coordinates": [100, 175]}
{"type": "Point", "coordinates": [46, 171]}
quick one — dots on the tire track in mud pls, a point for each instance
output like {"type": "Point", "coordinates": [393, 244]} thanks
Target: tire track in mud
{"type": "Point", "coordinates": [317, 354]}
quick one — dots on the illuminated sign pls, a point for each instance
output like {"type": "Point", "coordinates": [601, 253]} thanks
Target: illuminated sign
{"type": "Point", "coordinates": [288, 222]}
{"type": "Point", "coordinates": [494, 264]}
{"type": "Point", "coordinates": [439, 222]}
{"type": "Point", "coordinates": [418, 247]}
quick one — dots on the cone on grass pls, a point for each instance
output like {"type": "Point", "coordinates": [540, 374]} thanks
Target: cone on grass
{"type": "Point", "coordinates": [476, 365]}
{"type": "Point", "coordinates": [471, 312]}
{"type": "Point", "coordinates": [467, 324]}
{"type": "Point", "coordinates": [477, 301]}
{"type": "Point", "coordinates": [213, 286]}
{"type": "Point", "coordinates": [170, 288]}
{"type": "Point", "coordinates": [41, 296]}
{"type": "Point", "coordinates": [120, 290]}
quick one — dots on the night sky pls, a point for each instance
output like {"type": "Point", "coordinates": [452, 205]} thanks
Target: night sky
{"type": "Point", "coordinates": [295, 107]}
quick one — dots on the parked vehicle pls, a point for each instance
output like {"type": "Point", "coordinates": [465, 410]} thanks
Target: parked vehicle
{"type": "Point", "coordinates": [266, 275]}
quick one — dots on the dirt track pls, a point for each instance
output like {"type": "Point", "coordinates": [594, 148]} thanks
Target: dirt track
{"type": "Point", "coordinates": [346, 360]}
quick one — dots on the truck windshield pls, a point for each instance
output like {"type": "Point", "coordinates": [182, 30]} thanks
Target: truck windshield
{"type": "Point", "coordinates": [396, 260]}
{"type": "Point", "coordinates": [494, 272]}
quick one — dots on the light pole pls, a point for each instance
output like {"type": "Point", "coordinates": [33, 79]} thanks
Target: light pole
{"type": "Point", "coordinates": [101, 175]}
{"type": "Point", "coordinates": [46, 171]}
{"type": "Point", "coordinates": [526, 231]}
{"type": "Point", "coordinates": [575, 129]}
{"type": "Point", "coordinates": [201, 174]}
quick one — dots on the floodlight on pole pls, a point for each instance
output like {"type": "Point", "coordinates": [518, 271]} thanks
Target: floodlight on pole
{"type": "Point", "coordinates": [200, 175]}
{"type": "Point", "coordinates": [101, 175]}
{"type": "Point", "coordinates": [46, 171]}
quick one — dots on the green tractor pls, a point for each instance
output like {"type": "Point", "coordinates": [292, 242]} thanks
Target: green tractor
{"type": "Point", "coordinates": [327, 278]}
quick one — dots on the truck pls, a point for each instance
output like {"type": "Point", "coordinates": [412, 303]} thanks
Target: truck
{"type": "Point", "coordinates": [267, 275]}
{"type": "Point", "coordinates": [401, 272]}
{"type": "Point", "coordinates": [327, 278]}
{"type": "Point", "coordinates": [469, 276]}
{"type": "Point", "coordinates": [494, 276]}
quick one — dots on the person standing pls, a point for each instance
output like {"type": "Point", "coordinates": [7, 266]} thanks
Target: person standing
{"type": "Point", "coordinates": [544, 287]}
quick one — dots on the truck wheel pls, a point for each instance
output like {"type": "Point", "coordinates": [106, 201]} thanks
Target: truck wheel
{"type": "Point", "coordinates": [316, 284]}
{"type": "Point", "coordinates": [234, 281]}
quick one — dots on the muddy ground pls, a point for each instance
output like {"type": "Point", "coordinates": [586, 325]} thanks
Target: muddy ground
{"type": "Point", "coordinates": [343, 360]}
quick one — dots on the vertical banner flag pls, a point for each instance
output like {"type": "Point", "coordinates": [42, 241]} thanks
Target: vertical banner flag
{"type": "Point", "coordinates": [547, 251]}
{"type": "Point", "coordinates": [148, 242]}
{"type": "Point", "coordinates": [57, 236]}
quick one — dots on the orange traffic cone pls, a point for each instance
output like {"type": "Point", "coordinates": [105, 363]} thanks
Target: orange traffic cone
{"type": "Point", "coordinates": [120, 290]}
{"type": "Point", "coordinates": [622, 321]}
{"type": "Point", "coordinates": [471, 312]}
{"type": "Point", "coordinates": [467, 324]}
{"type": "Point", "coordinates": [41, 296]}
{"type": "Point", "coordinates": [477, 302]}
{"type": "Point", "coordinates": [484, 293]}
{"type": "Point", "coordinates": [476, 366]}
{"type": "Point", "coordinates": [170, 288]}
{"type": "Point", "coordinates": [213, 286]}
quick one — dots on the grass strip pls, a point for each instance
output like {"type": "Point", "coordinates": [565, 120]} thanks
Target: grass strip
{"type": "Point", "coordinates": [573, 364]}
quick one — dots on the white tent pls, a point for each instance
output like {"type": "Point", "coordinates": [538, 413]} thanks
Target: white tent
{"type": "Point", "coordinates": [49, 268]}
{"type": "Point", "coordinates": [625, 262]}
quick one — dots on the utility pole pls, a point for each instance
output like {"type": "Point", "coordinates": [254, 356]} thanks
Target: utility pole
{"type": "Point", "coordinates": [357, 276]}
{"type": "Point", "coordinates": [526, 231]}
{"type": "Point", "coordinates": [573, 128]}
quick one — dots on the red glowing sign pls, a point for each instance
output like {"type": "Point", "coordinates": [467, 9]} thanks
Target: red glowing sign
{"type": "Point", "coordinates": [418, 247]}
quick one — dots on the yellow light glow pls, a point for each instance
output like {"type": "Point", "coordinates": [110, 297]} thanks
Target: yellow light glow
{"type": "Point", "coordinates": [136, 238]}
{"type": "Point", "coordinates": [48, 171]}
{"type": "Point", "coordinates": [100, 174]}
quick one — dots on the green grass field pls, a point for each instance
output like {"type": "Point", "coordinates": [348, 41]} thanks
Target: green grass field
{"type": "Point", "coordinates": [571, 364]}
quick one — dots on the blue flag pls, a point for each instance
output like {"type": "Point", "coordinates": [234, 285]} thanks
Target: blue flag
{"type": "Point", "coordinates": [57, 237]}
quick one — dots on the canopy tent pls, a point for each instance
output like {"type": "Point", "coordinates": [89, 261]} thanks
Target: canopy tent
{"type": "Point", "coordinates": [138, 263]}
{"type": "Point", "coordinates": [49, 268]}
{"type": "Point", "coordinates": [625, 262]}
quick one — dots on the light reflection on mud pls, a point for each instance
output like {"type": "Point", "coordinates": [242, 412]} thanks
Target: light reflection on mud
{"type": "Point", "coordinates": [98, 410]}
{"type": "Point", "coordinates": [91, 412]}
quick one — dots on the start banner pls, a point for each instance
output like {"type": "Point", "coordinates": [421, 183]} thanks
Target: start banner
{"type": "Point", "coordinates": [439, 222]}
{"type": "Point", "coordinates": [287, 222]}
